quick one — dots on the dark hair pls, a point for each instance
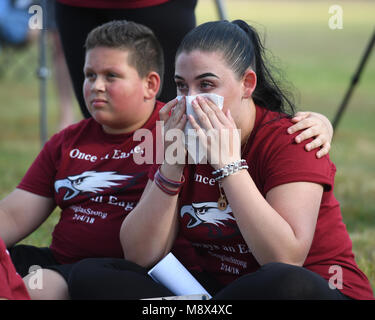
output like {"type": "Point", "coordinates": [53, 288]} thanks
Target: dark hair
{"type": "Point", "coordinates": [241, 48]}
{"type": "Point", "coordinates": [145, 51]}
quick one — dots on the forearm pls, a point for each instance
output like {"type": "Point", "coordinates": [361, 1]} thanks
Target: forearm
{"type": "Point", "coordinates": [148, 232]}
{"type": "Point", "coordinates": [21, 212]}
{"type": "Point", "coordinates": [267, 234]}
{"type": "Point", "coordinates": [9, 230]}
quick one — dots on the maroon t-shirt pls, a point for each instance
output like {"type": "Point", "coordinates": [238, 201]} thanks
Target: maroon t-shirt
{"type": "Point", "coordinates": [113, 4]}
{"type": "Point", "coordinates": [11, 283]}
{"type": "Point", "coordinates": [274, 159]}
{"type": "Point", "coordinates": [94, 179]}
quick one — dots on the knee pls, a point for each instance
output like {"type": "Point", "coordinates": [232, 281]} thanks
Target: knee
{"type": "Point", "coordinates": [46, 284]}
{"type": "Point", "coordinates": [80, 278]}
{"type": "Point", "coordinates": [90, 276]}
{"type": "Point", "coordinates": [295, 282]}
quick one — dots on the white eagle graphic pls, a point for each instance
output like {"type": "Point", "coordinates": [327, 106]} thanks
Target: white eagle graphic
{"type": "Point", "coordinates": [88, 181]}
{"type": "Point", "coordinates": [206, 212]}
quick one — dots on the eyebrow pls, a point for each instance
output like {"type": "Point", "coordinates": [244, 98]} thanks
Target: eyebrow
{"type": "Point", "coordinates": [203, 75]}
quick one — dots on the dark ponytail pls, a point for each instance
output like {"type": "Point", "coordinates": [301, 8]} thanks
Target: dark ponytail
{"type": "Point", "coordinates": [242, 49]}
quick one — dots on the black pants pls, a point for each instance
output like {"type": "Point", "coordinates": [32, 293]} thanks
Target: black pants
{"type": "Point", "coordinates": [119, 279]}
{"type": "Point", "coordinates": [170, 22]}
{"type": "Point", "coordinates": [26, 257]}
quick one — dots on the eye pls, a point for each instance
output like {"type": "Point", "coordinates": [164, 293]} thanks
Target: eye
{"type": "Point", "coordinates": [78, 181]}
{"type": "Point", "coordinates": [181, 86]}
{"type": "Point", "coordinates": [111, 75]}
{"type": "Point", "coordinates": [201, 211]}
{"type": "Point", "coordinates": [206, 85]}
{"type": "Point", "coordinates": [90, 75]}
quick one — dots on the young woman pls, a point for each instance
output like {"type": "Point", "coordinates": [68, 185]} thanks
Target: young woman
{"type": "Point", "coordinates": [260, 220]}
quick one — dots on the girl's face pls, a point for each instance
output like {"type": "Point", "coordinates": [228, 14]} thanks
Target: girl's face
{"type": "Point", "coordinates": [114, 91]}
{"type": "Point", "coordinates": [207, 72]}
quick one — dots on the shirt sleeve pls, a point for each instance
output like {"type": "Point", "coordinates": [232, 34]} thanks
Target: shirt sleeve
{"type": "Point", "coordinates": [285, 161]}
{"type": "Point", "coordinates": [40, 177]}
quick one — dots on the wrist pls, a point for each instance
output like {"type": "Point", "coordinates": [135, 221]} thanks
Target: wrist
{"type": "Point", "coordinates": [172, 172]}
{"type": "Point", "coordinates": [168, 185]}
{"type": "Point", "coordinates": [230, 169]}
{"type": "Point", "coordinates": [222, 164]}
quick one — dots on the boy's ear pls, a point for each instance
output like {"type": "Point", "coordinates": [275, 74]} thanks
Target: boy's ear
{"type": "Point", "coordinates": [249, 82]}
{"type": "Point", "coordinates": [152, 85]}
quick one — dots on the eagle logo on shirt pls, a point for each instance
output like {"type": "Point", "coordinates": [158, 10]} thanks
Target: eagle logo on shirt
{"type": "Point", "coordinates": [88, 182]}
{"type": "Point", "coordinates": [208, 214]}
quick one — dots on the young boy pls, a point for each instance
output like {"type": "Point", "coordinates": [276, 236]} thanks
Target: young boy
{"type": "Point", "coordinates": [88, 169]}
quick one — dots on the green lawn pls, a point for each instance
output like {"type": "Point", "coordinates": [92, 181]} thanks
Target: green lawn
{"type": "Point", "coordinates": [318, 61]}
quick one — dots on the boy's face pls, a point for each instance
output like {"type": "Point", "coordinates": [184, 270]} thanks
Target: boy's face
{"type": "Point", "coordinates": [114, 91]}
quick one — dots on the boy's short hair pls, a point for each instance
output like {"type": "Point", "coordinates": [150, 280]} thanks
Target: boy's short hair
{"type": "Point", "coordinates": [145, 51]}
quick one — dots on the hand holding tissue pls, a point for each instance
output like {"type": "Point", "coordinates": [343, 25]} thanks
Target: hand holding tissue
{"type": "Point", "coordinates": [196, 152]}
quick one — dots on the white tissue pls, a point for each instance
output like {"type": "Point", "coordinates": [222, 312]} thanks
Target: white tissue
{"type": "Point", "coordinates": [197, 154]}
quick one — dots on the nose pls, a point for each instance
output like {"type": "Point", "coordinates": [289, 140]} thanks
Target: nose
{"type": "Point", "coordinates": [98, 85]}
{"type": "Point", "coordinates": [193, 92]}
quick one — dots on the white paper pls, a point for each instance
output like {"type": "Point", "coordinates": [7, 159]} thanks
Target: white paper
{"type": "Point", "coordinates": [196, 152]}
{"type": "Point", "coordinates": [174, 276]}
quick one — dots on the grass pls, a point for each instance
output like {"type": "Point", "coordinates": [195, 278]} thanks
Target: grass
{"type": "Point", "coordinates": [318, 61]}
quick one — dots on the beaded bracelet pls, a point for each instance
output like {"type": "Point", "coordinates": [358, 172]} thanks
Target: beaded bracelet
{"type": "Point", "coordinates": [168, 186]}
{"type": "Point", "coordinates": [230, 169]}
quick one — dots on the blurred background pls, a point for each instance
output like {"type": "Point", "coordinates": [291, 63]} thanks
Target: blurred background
{"type": "Point", "coordinates": [317, 62]}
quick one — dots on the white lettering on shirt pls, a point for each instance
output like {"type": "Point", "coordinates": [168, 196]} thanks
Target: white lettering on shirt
{"type": "Point", "coordinates": [205, 180]}
{"type": "Point", "coordinates": [76, 154]}
{"type": "Point", "coordinates": [116, 154]}
{"type": "Point", "coordinates": [128, 206]}
{"type": "Point", "coordinates": [242, 248]}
